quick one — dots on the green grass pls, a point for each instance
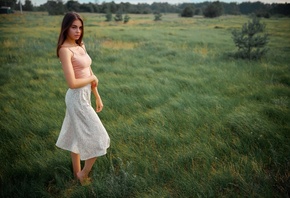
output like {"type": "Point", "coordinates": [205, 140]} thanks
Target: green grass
{"type": "Point", "coordinates": [184, 119]}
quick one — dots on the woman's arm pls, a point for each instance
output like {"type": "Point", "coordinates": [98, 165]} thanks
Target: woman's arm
{"type": "Point", "coordinates": [94, 83]}
{"type": "Point", "coordinates": [73, 83]}
{"type": "Point", "coordinates": [99, 103]}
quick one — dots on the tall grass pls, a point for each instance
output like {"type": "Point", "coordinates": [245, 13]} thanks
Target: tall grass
{"type": "Point", "coordinates": [184, 119]}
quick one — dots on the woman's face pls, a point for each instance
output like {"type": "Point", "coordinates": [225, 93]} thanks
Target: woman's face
{"type": "Point", "coordinates": [75, 31]}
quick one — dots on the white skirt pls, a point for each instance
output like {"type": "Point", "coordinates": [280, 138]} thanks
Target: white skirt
{"type": "Point", "coordinates": [82, 131]}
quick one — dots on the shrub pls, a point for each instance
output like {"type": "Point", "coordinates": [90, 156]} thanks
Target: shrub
{"type": "Point", "coordinates": [250, 42]}
{"type": "Point", "coordinates": [118, 16]}
{"type": "Point", "coordinates": [109, 16]}
{"type": "Point", "coordinates": [213, 10]}
{"type": "Point", "coordinates": [126, 18]}
{"type": "Point", "coordinates": [188, 11]}
{"type": "Point", "coordinates": [157, 16]}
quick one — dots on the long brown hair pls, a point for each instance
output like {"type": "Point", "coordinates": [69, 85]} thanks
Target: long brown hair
{"type": "Point", "coordinates": [67, 21]}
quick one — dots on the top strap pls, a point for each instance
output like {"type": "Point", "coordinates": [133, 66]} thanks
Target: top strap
{"type": "Point", "coordinates": [72, 51]}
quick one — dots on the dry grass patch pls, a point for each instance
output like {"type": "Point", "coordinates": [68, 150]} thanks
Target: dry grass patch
{"type": "Point", "coordinates": [201, 50]}
{"type": "Point", "coordinates": [118, 44]}
{"type": "Point", "coordinates": [13, 43]}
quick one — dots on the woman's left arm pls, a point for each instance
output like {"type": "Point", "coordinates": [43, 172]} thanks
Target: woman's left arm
{"type": "Point", "coordinates": [94, 87]}
{"type": "Point", "coordinates": [99, 103]}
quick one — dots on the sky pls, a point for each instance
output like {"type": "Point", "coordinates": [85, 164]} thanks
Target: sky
{"type": "Point", "coordinates": [39, 2]}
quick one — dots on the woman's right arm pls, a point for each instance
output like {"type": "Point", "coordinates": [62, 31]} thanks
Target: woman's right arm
{"type": "Point", "coordinates": [73, 83]}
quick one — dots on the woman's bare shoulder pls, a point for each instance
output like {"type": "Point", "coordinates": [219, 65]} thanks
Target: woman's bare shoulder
{"type": "Point", "coordinates": [64, 51]}
{"type": "Point", "coordinates": [65, 46]}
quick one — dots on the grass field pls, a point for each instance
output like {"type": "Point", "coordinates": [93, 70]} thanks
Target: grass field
{"type": "Point", "coordinates": [185, 120]}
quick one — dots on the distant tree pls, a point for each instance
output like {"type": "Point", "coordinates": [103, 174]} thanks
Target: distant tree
{"type": "Point", "coordinates": [97, 8]}
{"type": "Point", "coordinates": [213, 10]}
{"type": "Point", "coordinates": [41, 8]}
{"type": "Point", "coordinates": [197, 11]}
{"type": "Point", "coordinates": [72, 6]}
{"type": "Point", "coordinates": [55, 7]}
{"type": "Point", "coordinates": [231, 8]}
{"type": "Point", "coordinates": [113, 7]}
{"type": "Point", "coordinates": [89, 7]}
{"type": "Point", "coordinates": [280, 9]}
{"type": "Point", "coordinates": [8, 3]}
{"type": "Point", "coordinates": [126, 7]}
{"type": "Point", "coordinates": [251, 41]}
{"type": "Point", "coordinates": [249, 8]}
{"type": "Point", "coordinates": [105, 8]}
{"type": "Point", "coordinates": [207, 8]}
{"type": "Point", "coordinates": [188, 11]}
{"type": "Point", "coordinates": [27, 6]}
{"type": "Point", "coordinates": [120, 7]}
{"type": "Point", "coordinates": [262, 13]}
{"type": "Point", "coordinates": [143, 8]}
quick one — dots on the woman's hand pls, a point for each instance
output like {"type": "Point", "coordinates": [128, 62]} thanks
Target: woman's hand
{"type": "Point", "coordinates": [99, 104]}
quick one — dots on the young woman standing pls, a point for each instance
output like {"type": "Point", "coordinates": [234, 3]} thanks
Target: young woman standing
{"type": "Point", "coordinates": [82, 132]}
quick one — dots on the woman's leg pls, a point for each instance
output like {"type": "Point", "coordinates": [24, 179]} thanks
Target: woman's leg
{"type": "Point", "coordinates": [76, 162]}
{"type": "Point", "coordinates": [84, 174]}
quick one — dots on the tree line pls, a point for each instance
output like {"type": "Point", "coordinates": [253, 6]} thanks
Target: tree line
{"type": "Point", "coordinates": [208, 9]}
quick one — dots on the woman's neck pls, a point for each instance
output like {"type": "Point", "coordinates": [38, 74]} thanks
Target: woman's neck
{"type": "Point", "coordinates": [70, 42]}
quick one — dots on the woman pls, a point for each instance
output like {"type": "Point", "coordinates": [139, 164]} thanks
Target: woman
{"type": "Point", "coordinates": [82, 132]}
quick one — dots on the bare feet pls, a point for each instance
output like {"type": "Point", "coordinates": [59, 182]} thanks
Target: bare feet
{"type": "Point", "coordinates": [84, 179]}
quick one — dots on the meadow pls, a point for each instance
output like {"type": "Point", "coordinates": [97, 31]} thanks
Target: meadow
{"type": "Point", "coordinates": [185, 119]}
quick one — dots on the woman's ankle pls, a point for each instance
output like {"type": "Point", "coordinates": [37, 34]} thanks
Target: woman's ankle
{"type": "Point", "coordinates": [83, 178]}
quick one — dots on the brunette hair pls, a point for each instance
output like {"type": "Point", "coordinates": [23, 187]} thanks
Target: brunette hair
{"type": "Point", "coordinates": [67, 21]}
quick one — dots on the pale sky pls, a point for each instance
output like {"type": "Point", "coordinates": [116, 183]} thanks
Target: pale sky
{"type": "Point", "coordinates": [39, 2]}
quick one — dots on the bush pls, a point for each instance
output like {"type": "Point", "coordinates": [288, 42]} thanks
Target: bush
{"type": "Point", "coordinates": [188, 11]}
{"type": "Point", "coordinates": [118, 16]}
{"type": "Point", "coordinates": [157, 17]}
{"type": "Point", "coordinates": [126, 18]}
{"type": "Point", "coordinates": [213, 10]}
{"type": "Point", "coordinates": [109, 16]}
{"type": "Point", "coordinates": [251, 44]}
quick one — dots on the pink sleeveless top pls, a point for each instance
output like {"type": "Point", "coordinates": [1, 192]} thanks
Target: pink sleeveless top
{"type": "Point", "coordinates": [81, 62]}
